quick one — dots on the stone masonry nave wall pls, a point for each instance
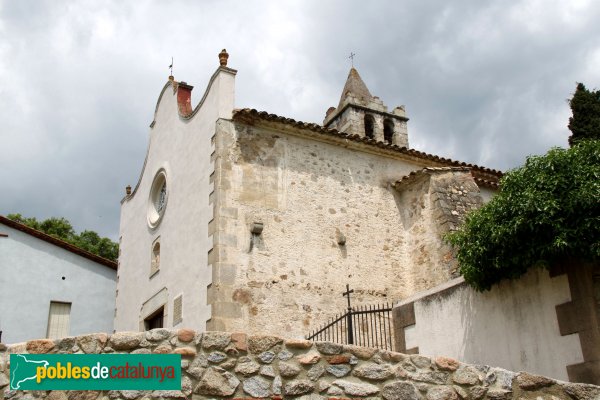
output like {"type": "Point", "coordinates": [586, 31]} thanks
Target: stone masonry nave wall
{"type": "Point", "coordinates": [236, 365]}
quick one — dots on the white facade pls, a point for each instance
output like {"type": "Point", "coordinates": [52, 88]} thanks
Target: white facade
{"type": "Point", "coordinates": [36, 273]}
{"type": "Point", "coordinates": [180, 147]}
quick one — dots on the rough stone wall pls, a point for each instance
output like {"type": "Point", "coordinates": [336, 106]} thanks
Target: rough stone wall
{"type": "Point", "coordinates": [352, 121]}
{"type": "Point", "coordinates": [432, 202]}
{"type": "Point", "coordinates": [226, 365]}
{"type": "Point", "coordinates": [329, 216]}
{"type": "Point", "coordinates": [307, 194]}
{"type": "Point", "coordinates": [417, 220]}
{"type": "Point", "coordinates": [453, 195]}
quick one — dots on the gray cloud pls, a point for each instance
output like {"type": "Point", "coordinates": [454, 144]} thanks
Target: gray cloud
{"type": "Point", "coordinates": [483, 82]}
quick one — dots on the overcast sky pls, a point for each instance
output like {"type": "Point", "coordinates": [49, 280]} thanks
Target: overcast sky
{"type": "Point", "coordinates": [485, 82]}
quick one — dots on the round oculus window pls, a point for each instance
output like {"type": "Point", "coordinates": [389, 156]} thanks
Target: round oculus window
{"type": "Point", "coordinates": [157, 202]}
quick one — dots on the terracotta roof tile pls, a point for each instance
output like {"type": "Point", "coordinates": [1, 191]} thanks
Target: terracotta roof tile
{"type": "Point", "coordinates": [414, 175]}
{"type": "Point", "coordinates": [482, 175]}
{"type": "Point", "coordinates": [486, 182]}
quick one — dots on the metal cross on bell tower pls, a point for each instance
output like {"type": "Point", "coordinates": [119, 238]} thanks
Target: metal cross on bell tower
{"type": "Point", "coordinates": [352, 58]}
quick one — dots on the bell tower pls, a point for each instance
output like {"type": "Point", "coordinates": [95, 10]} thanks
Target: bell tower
{"type": "Point", "coordinates": [363, 114]}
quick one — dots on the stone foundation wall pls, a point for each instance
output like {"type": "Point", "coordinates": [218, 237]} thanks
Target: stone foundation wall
{"type": "Point", "coordinates": [234, 365]}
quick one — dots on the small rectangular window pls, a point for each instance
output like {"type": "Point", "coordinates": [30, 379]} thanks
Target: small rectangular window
{"type": "Point", "coordinates": [59, 320]}
{"type": "Point", "coordinates": [177, 310]}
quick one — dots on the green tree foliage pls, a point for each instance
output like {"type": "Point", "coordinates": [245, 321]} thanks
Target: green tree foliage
{"type": "Point", "coordinates": [58, 227]}
{"type": "Point", "coordinates": [585, 122]}
{"type": "Point", "coordinates": [62, 229]}
{"type": "Point", "coordinates": [30, 222]}
{"type": "Point", "coordinates": [547, 211]}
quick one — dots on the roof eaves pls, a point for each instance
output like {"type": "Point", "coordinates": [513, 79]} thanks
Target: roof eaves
{"type": "Point", "coordinates": [415, 175]}
{"type": "Point", "coordinates": [58, 242]}
{"type": "Point", "coordinates": [250, 116]}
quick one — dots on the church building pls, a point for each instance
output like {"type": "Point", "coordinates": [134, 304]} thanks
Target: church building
{"type": "Point", "coordinates": [242, 220]}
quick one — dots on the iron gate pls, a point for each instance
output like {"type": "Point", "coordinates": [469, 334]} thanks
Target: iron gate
{"type": "Point", "coordinates": [369, 326]}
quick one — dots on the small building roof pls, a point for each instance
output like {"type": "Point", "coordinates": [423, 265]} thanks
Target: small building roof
{"type": "Point", "coordinates": [58, 242]}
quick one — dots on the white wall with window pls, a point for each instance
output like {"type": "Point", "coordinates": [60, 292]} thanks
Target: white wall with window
{"type": "Point", "coordinates": [51, 291]}
{"type": "Point", "coordinates": [59, 320]}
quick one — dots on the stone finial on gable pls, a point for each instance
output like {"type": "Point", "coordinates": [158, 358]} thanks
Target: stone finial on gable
{"type": "Point", "coordinates": [223, 57]}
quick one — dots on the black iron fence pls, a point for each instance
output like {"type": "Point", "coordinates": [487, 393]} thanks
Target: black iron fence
{"type": "Point", "coordinates": [369, 326]}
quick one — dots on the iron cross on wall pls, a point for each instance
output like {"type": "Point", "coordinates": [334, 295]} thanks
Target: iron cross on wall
{"type": "Point", "coordinates": [349, 327]}
{"type": "Point", "coordinates": [347, 293]}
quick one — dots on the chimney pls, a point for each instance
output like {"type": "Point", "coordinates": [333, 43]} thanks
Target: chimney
{"type": "Point", "coordinates": [184, 98]}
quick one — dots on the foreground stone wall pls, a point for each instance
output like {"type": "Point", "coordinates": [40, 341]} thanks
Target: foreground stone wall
{"type": "Point", "coordinates": [224, 365]}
